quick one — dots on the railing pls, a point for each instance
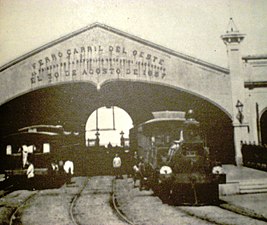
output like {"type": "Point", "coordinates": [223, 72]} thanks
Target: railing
{"type": "Point", "coordinates": [254, 156]}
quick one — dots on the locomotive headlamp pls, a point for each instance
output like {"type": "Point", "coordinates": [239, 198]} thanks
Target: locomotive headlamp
{"type": "Point", "coordinates": [164, 170]}
{"type": "Point", "coordinates": [190, 111]}
{"type": "Point", "coordinates": [239, 115]}
{"type": "Point", "coordinates": [190, 114]}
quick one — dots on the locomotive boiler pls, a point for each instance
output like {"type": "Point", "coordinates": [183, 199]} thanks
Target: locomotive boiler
{"type": "Point", "coordinates": [172, 145]}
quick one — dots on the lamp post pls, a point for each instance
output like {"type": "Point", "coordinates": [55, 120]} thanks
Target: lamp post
{"type": "Point", "coordinates": [97, 140]}
{"type": "Point", "coordinates": [239, 116]}
{"type": "Point", "coordinates": [122, 139]}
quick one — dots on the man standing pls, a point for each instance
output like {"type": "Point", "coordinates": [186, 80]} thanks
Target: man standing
{"type": "Point", "coordinates": [69, 170]}
{"type": "Point", "coordinates": [24, 155]}
{"type": "Point", "coordinates": [117, 166]}
{"type": "Point", "coordinates": [30, 175]}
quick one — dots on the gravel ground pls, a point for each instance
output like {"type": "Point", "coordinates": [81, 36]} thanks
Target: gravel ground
{"type": "Point", "coordinates": [94, 204]}
{"type": "Point", "coordinates": [218, 215]}
{"type": "Point", "coordinates": [256, 203]}
{"type": "Point", "coordinates": [10, 202]}
{"type": "Point", "coordinates": [144, 208]}
{"type": "Point", "coordinates": [51, 206]}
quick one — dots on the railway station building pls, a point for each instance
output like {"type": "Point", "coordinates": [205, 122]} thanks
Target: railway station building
{"type": "Point", "coordinates": [65, 81]}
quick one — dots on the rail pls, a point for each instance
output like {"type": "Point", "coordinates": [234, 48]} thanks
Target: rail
{"type": "Point", "coordinates": [116, 206]}
{"type": "Point", "coordinates": [73, 202]}
{"type": "Point", "coordinates": [14, 218]}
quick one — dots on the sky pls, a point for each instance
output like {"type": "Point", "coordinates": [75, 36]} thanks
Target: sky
{"type": "Point", "coordinates": [105, 121]}
{"type": "Point", "coordinates": [192, 27]}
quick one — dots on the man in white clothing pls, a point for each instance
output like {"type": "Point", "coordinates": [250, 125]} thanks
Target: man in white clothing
{"type": "Point", "coordinates": [117, 166]}
{"type": "Point", "coordinates": [69, 170]}
{"type": "Point", "coordinates": [24, 155]}
{"type": "Point", "coordinates": [69, 167]}
{"type": "Point", "coordinates": [30, 175]}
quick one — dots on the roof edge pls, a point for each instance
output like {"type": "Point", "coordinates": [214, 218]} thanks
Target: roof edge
{"type": "Point", "coordinates": [254, 57]}
{"type": "Point", "coordinates": [119, 32]}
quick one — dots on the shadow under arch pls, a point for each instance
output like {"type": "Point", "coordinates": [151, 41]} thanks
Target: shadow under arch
{"type": "Point", "coordinates": [71, 104]}
{"type": "Point", "coordinates": [263, 127]}
{"type": "Point", "coordinates": [140, 99]}
{"type": "Point", "coordinates": [110, 81]}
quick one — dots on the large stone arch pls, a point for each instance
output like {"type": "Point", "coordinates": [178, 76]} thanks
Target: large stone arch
{"type": "Point", "coordinates": [67, 79]}
{"type": "Point", "coordinates": [70, 105]}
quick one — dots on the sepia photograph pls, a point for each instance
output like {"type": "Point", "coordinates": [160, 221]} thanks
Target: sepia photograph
{"type": "Point", "coordinates": [141, 112]}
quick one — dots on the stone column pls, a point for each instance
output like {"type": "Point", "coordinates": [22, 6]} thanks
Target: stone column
{"type": "Point", "coordinates": [232, 40]}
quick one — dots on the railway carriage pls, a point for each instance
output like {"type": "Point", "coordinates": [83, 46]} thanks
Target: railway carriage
{"type": "Point", "coordinates": [172, 145]}
{"type": "Point", "coordinates": [44, 146]}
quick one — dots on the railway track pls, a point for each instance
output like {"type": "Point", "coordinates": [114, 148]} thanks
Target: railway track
{"type": "Point", "coordinates": [116, 207]}
{"type": "Point", "coordinates": [153, 209]}
{"type": "Point", "coordinates": [6, 187]}
{"type": "Point", "coordinates": [73, 202]}
{"type": "Point", "coordinates": [242, 211]}
{"type": "Point", "coordinates": [100, 197]}
{"type": "Point", "coordinates": [103, 200]}
{"type": "Point", "coordinates": [223, 214]}
{"type": "Point", "coordinates": [15, 218]}
{"type": "Point", "coordinates": [6, 190]}
{"type": "Point", "coordinates": [96, 203]}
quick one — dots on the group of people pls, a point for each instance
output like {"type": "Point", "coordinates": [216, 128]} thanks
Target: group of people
{"type": "Point", "coordinates": [64, 170]}
{"type": "Point", "coordinates": [140, 170]}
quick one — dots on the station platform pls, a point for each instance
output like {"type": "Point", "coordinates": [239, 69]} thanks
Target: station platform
{"type": "Point", "coordinates": [243, 180]}
{"type": "Point", "coordinates": [245, 191]}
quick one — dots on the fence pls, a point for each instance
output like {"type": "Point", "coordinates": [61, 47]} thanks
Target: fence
{"type": "Point", "coordinates": [254, 156]}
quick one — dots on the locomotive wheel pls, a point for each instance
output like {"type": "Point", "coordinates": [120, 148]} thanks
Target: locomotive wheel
{"type": "Point", "coordinates": [182, 194]}
{"type": "Point", "coordinates": [200, 194]}
{"type": "Point", "coordinates": [208, 193]}
{"type": "Point", "coordinates": [164, 192]}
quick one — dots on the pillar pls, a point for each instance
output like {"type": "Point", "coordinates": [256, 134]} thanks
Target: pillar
{"type": "Point", "coordinates": [232, 39]}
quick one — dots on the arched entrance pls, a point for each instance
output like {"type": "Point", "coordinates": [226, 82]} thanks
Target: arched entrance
{"type": "Point", "coordinates": [108, 126]}
{"type": "Point", "coordinates": [70, 105]}
{"type": "Point", "coordinates": [263, 127]}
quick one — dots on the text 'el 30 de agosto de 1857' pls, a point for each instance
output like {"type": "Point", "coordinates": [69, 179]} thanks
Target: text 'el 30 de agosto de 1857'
{"type": "Point", "coordinates": [90, 61]}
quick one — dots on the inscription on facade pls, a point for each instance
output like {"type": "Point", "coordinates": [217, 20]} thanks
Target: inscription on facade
{"type": "Point", "coordinates": [94, 61]}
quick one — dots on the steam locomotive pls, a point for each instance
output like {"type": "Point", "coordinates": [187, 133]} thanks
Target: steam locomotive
{"type": "Point", "coordinates": [174, 152]}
